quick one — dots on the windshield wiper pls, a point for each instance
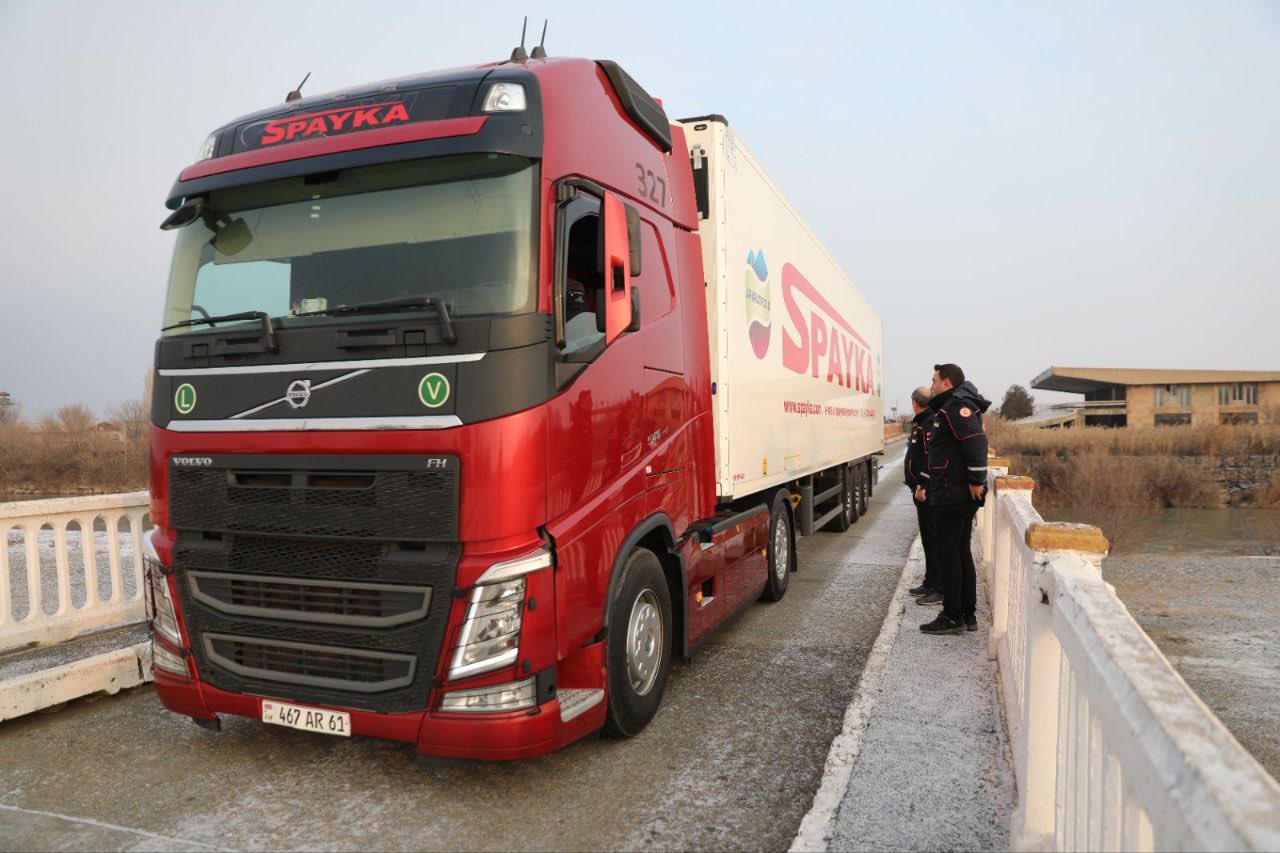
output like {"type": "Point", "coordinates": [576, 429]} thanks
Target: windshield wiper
{"type": "Point", "coordinates": [446, 321]}
{"type": "Point", "coordinates": [268, 331]}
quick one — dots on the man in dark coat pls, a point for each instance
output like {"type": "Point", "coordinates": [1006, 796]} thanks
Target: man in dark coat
{"type": "Point", "coordinates": [957, 448]}
{"type": "Point", "coordinates": [915, 469]}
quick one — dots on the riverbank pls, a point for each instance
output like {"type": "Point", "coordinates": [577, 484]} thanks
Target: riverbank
{"type": "Point", "coordinates": [1117, 478]}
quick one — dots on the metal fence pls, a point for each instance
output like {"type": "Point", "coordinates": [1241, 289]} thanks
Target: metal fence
{"type": "Point", "coordinates": [1111, 749]}
{"type": "Point", "coordinates": [70, 566]}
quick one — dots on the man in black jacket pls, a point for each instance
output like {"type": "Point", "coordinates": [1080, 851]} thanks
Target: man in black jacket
{"type": "Point", "coordinates": [915, 469]}
{"type": "Point", "coordinates": [957, 447]}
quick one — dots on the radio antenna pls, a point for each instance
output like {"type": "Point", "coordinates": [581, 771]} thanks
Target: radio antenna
{"type": "Point", "coordinates": [296, 94]}
{"type": "Point", "coordinates": [540, 52]}
{"type": "Point", "coordinates": [519, 54]}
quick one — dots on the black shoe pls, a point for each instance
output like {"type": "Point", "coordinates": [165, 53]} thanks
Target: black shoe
{"type": "Point", "coordinates": [971, 623]}
{"type": "Point", "coordinates": [932, 598]}
{"type": "Point", "coordinates": [920, 590]}
{"type": "Point", "coordinates": [944, 624]}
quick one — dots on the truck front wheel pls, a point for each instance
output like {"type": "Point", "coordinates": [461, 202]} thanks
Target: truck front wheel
{"type": "Point", "coordinates": [639, 644]}
{"type": "Point", "coordinates": [779, 549]}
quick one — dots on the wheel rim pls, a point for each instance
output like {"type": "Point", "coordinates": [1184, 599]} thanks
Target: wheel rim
{"type": "Point", "coordinates": [644, 642]}
{"type": "Point", "coordinates": [848, 497]}
{"type": "Point", "coordinates": [781, 553]}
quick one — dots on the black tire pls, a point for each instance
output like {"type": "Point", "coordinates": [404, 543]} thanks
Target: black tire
{"type": "Point", "coordinates": [864, 488]}
{"type": "Point", "coordinates": [641, 587]}
{"type": "Point", "coordinates": [781, 548]}
{"type": "Point", "coordinates": [848, 502]}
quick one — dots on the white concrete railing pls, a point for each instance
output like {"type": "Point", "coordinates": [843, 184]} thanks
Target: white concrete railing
{"type": "Point", "coordinates": [1111, 749]}
{"type": "Point", "coordinates": [58, 590]}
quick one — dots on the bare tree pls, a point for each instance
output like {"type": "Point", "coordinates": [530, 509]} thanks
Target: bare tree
{"type": "Point", "coordinates": [75, 418]}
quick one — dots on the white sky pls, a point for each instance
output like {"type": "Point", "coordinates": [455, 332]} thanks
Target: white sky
{"type": "Point", "coordinates": [1011, 185]}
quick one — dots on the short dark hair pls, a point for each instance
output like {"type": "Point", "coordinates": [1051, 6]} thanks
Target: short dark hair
{"type": "Point", "coordinates": [951, 372]}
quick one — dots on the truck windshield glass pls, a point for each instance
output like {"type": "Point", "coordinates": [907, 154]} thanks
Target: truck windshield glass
{"type": "Point", "coordinates": [457, 229]}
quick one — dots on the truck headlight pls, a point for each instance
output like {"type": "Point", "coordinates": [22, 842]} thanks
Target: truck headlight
{"type": "Point", "coordinates": [490, 636]}
{"type": "Point", "coordinates": [160, 611]}
{"type": "Point", "coordinates": [512, 696]}
{"type": "Point", "coordinates": [164, 658]}
{"type": "Point", "coordinates": [504, 98]}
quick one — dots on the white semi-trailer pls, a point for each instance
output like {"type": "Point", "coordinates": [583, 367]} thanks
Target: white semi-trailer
{"type": "Point", "coordinates": [795, 349]}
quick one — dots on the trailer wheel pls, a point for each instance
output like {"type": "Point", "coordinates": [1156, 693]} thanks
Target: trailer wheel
{"type": "Point", "coordinates": [848, 502]}
{"type": "Point", "coordinates": [864, 488]}
{"type": "Point", "coordinates": [638, 645]}
{"type": "Point", "coordinates": [781, 538]}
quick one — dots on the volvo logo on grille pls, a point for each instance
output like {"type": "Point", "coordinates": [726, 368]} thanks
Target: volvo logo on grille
{"type": "Point", "coordinates": [298, 393]}
{"type": "Point", "coordinates": [193, 461]}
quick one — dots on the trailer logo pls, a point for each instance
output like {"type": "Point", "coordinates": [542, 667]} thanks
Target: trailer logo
{"type": "Point", "coordinates": [825, 345]}
{"type": "Point", "coordinates": [298, 394]}
{"type": "Point", "coordinates": [759, 326]}
{"type": "Point", "coordinates": [329, 122]}
{"type": "Point", "coordinates": [184, 399]}
{"type": "Point", "coordinates": [433, 390]}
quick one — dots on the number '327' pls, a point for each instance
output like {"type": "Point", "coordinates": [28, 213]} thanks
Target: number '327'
{"type": "Point", "coordinates": [652, 187]}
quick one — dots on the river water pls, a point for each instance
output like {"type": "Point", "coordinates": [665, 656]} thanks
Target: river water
{"type": "Point", "coordinates": [1203, 584]}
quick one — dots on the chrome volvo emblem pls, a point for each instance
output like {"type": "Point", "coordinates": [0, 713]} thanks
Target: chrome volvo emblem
{"type": "Point", "coordinates": [298, 393]}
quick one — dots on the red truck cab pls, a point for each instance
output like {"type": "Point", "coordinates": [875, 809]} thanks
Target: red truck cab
{"type": "Point", "coordinates": [432, 446]}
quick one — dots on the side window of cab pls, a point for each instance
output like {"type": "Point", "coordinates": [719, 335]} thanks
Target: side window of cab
{"type": "Point", "coordinates": [657, 293]}
{"type": "Point", "coordinates": [580, 282]}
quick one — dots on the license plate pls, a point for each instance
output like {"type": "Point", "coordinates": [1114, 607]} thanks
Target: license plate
{"type": "Point", "coordinates": [308, 719]}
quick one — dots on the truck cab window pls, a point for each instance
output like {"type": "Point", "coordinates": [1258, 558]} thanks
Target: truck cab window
{"type": "Point", "coordinates": [583, 284]}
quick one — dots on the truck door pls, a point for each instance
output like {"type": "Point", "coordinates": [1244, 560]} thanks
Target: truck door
{"type": "Point", "coordinates": [666, 391]}
{"type": "Point", "coordinates": [596, 427]}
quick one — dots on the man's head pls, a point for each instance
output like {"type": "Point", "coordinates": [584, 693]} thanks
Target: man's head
{"type": "Point", "coordinates": [919, 399]}
{"type": "Point", "coordinates": [945, 377]}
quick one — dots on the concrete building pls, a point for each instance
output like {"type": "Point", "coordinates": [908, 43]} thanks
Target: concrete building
{"type": "Point", "coordinates": [1115, 396]}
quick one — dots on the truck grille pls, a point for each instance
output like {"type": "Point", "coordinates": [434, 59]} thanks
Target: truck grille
{"type": "Point", "coordinates": [318, 666]}
{"type": "Point", "coordinates": [321, 579]}
{"type": "Point", "coordinates": [332, 602]}
{"type": "Point", "coordinates": [331, 497]}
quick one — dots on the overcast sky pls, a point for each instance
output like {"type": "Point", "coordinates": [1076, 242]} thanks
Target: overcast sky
{"type": "Point", "coordinates": [1011, 185]}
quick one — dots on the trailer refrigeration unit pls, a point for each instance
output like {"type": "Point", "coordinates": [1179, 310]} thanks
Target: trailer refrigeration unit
{"type": "Point", "coordinates": [480, 396]}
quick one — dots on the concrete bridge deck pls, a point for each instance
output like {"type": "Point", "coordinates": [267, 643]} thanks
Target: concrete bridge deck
{"type": "Point", "coordinates": [732, 761]}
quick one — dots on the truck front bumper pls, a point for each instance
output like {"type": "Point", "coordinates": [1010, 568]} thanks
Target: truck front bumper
{"type": "Point", "coordinates": [491, 737]}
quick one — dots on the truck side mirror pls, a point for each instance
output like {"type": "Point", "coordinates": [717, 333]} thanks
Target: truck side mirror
{"type": "Point", "coordinates": [617, 268]}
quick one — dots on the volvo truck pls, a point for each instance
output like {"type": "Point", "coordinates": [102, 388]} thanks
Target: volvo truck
{"type": "Point", "coordinates": [481, 396]}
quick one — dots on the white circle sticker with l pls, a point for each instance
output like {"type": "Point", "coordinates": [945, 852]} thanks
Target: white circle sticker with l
{"type": "Point", "coordinates": [433, 390]}
{"type": "Point", "coordinates": [184, 399]}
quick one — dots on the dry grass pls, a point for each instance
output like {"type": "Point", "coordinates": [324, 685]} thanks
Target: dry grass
{"type": "Point", "coordinates": [1211, 466]}
{"type": "Point", "coordinates": [69, 455]}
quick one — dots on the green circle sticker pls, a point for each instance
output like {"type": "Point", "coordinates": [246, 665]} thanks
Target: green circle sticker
{"type": "Point", "coordinates": [184, 399]}
{"type": "Point", "coordinates": [433, 390]}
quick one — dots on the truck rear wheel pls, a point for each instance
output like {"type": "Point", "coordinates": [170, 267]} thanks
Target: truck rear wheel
{"type": "Point", "coordinates": [639, 644]}
{"type": "Point", "coordinates": [779, 549]}
{"type": "Point", "coordinates": [848, 502]}
{"type": "Point", "coordinates": [864, 488]}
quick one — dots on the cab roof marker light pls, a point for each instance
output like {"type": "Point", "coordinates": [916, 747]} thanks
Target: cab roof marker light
{"type": "Point", "coordinates": [206, 149]}
{"type": "Point", "coordinates": [519, 567]}
{"type": "Point", "coordinates": [505, 98]}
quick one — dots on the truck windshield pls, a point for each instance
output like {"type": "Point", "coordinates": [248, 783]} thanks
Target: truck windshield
{"type": "Point", "coordinates": [457, 229]}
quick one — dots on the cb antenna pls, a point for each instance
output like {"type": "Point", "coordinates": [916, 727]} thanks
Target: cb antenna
{"type": "Point", "coordinates": [519, 54]}
{"type": "Point", "coordinates": [296, 94]}
{"type": "Point", "coordinates": [540, 52]}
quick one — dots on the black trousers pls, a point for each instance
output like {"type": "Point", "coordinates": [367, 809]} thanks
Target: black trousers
{"type": "Point", "coordinates": [952, 533]}
{"type": "Point", "coordinates": [925, 515]}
